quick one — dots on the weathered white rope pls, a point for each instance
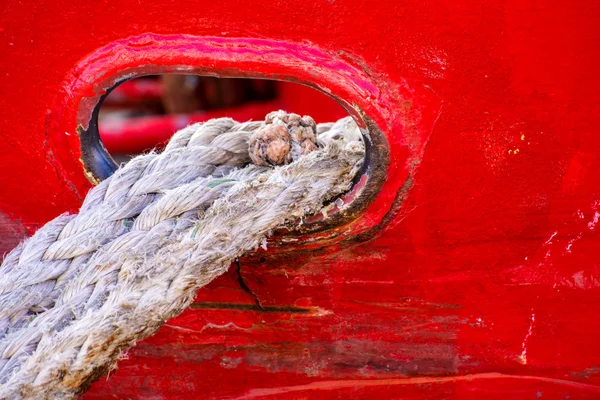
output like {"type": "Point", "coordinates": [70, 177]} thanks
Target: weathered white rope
{"type": "Point", "coordinates": [86, 287]}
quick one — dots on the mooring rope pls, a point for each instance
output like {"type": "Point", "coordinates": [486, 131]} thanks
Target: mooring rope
{"type": "Point", "coordinates": [86, 287]}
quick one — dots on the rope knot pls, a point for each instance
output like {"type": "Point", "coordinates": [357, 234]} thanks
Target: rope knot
{"type": "Point", "coordinates": [284, 138]}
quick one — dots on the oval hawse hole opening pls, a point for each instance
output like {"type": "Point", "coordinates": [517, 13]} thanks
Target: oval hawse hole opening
{"type": "Point", "coordinates": [141, 114]}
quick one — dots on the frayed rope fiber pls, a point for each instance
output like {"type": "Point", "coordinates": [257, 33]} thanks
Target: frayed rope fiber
{"type": "Point", "coordinates": [86, 287]}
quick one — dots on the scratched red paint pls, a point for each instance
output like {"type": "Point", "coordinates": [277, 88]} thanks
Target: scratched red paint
{"type": "Point", "coordinates": [484, 279]}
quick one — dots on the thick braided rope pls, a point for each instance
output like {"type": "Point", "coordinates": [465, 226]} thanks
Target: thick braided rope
{"type": "Point", "coordinates": [87, 287]}
{"type": "Point", "coordinates": [201, 152]}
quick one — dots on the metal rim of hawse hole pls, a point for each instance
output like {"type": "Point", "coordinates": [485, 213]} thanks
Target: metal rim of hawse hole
{"type": "Point", "coordinates": [99, 165]}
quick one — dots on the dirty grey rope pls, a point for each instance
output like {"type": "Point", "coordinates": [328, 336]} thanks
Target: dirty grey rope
{"type": "Point", "coordinates": [87, 287]}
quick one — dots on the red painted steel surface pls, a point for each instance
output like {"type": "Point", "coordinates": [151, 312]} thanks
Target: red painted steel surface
{"type": "Point", "coordinates": [474, 272]}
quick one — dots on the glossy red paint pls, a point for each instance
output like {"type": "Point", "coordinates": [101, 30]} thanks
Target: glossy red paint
{"type": "Point", "coordinates": [474, 272]}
